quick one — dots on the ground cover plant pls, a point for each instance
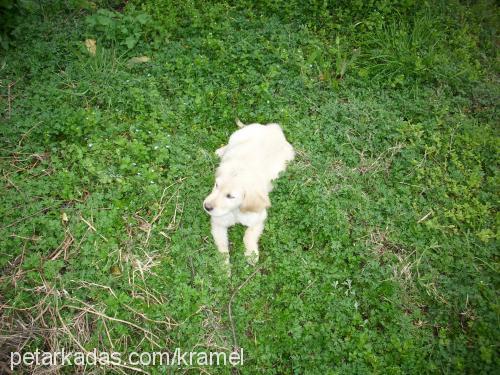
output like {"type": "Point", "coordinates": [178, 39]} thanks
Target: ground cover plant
{"type": "Point", "coordinates": [380, 251]}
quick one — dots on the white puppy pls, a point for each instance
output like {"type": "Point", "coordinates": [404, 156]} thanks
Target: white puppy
{"type": "Point", "coordinates": [253, 157]}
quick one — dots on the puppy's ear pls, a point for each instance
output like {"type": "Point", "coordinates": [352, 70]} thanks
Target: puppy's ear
{"type": "Point", "coordinates": [255, 201]}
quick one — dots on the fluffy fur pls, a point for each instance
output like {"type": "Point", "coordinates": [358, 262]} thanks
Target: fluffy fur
{"type": "Point", "coordinates": [253, 157]}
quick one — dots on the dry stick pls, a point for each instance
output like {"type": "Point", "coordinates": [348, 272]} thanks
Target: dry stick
{"type": "Point", "coordinates": [169, 324]}
{"type": "Point", "coordinates": [162, 207]}
{"type": "Point", "coordinates": [11, 183]}
{"type": "Point", "coordinates": [396, 147]}
{"type": "Point", "coordinates": [163, 196]}
{"type": "Point", "coordinates": [235, 341]}
{"type": "Point", "coordinates": [64, 246]}
{"type": "Point", "coordinates": [87, 283]}
{"type": "Point", "coordinates": [150, 294]}
{"type": "Point", "coordinates": [27, 217]}
{"type": "Point", "coordinates": [176, 207]}
{"type": "Point", "coordinates": [9, 97]}
{"type": "Point", "coordinates": [107, 334]}
{"type": "Point", "coordinates": [200, 309]}
{"type": "Point", "coordinates": [27, 133]}
{"type": "Point", "coordinates": [200, 369]}
{"type": "Point", "coordinates": [181, 210]}
{"type": "Point", "coordinates": [93, 228]}
{"type": "Point", "coordinates": [193, 273]}
{"type": "Point", "coordinates": [424, 217]}
{"type": "Point", "coordinates": [13, 266]}
{"type": "Point", "coordinates": [95, 312]}
{"type": "Point", "coordinates": [42, 312]}
{"type": "Point", "coordinates": [32, 238]}
{"type": "Point", "coordinates": [102, 362]}
{"type": "Point", "coordinates": [91, 310]}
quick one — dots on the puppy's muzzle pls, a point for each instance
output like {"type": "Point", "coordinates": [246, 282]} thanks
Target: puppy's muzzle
{"type": "Point", "coordinates": [208, 207]}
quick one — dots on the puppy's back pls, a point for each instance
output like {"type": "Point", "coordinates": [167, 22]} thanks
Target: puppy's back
{"type": "Point", "coordinates": [262, 149]}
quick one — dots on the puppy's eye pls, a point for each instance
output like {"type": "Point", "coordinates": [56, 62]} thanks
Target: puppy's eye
{"type": "Point", "coordinates": [229, 196]}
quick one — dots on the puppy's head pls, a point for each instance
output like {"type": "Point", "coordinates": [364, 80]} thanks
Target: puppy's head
{"type": "Point", "coordinates": [231, 193]}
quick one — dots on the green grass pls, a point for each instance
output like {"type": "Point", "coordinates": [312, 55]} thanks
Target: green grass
{"type": "Point", "coordinates": [380, 251]}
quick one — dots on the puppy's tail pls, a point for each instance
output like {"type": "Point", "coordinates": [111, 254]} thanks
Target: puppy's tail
{"type": "Point", "coordinates": [239, 123]}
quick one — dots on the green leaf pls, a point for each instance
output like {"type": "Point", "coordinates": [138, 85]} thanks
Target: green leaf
{"type": "Point", "coordinates": [130, 42]}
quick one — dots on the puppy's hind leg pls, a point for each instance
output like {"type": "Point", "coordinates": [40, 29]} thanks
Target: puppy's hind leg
{"type": "Point", "coordinates": [251, 241]}
{"type": "Point", "coordinates": [219, 233]}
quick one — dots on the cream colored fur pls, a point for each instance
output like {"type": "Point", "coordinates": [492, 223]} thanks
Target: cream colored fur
{"type": "Point", "coordinates": [252, 159]}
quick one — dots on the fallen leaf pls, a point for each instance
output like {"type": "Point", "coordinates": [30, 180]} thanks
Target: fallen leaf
{"type": "Point", "coordinates": [138, 60]}
{"type": "Point", "coordinates": [115, 271]}
{"type": "Point", "coordinates": [91, 46]}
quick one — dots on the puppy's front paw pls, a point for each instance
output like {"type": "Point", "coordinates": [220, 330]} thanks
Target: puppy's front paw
{"type": "Point", "coordinates": [252, 257]}
{"type": "Point", "coordinates": [226, 265]}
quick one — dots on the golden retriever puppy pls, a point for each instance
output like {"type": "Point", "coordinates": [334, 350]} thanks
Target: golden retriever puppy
{"type": "Point", "coordinates": [253, 157]}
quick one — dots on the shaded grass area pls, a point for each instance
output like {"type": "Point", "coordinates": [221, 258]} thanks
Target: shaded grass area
{"type": "Point", "coordinates": [379, 253]}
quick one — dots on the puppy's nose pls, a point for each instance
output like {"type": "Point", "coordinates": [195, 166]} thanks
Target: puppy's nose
{"type": "Point", "coordinates": [208, 207]}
